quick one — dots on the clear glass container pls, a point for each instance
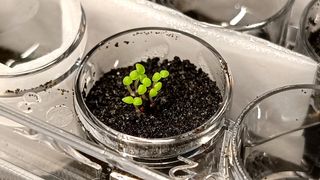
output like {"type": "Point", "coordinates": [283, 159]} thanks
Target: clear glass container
{"type": "Point", "coordinates": [40, 41]}
{"type": "Point", "coordinates": [24, 155]}
{"type": "Point", "coordinates": [26, 141]}
{"type": "Point", "coordinates": [267, 19]}
{"type": "Point", "coordinates": [277, 136]}
{"type": "Point", "coordinates": [126, 48]}
{"type": "Point", "coordinates": [309, 23]}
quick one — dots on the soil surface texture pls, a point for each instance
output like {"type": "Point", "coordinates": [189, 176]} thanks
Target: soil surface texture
{"type": "Point", "coordinates": [314, 40]}
{"type": "Point", "coordinates": [188, 98]}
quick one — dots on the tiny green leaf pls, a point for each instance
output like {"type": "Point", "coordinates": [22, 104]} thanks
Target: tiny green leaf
{"type": "Point", "coordinates": [164, 73]}
{"type": "Point", "coordinates": [128, 100]}
{"type": "Point", "coordinates": [147, 82]}
{"type": "Point", "coordinates": [156, 77]}
{"type": "Point", "coordinates": [140, 68]}
{"type": "Point", "coordinates": [134, 75]}
{"type": "Point", "coordinates": [127, 81]}
{"type": "Point", "coordinates": [157, 86]}
{"type": "Point", "coordinates": [137, 101]}
{"type": "Point", "coordinates": [142, 76]}
{"type": "Point", "coordinates": [153, 93]}
{"type": "Point", "coordinates": [142, 89]}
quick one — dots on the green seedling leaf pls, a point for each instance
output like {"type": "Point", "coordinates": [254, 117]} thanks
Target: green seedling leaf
{"type": "Point", "coordinates": [164, 73]}
{"type": "Point", "coordinates": [156, 77]}
{"type": "Point", "coordinates": [142, 76]}
{"type": "Point", "coordinates": [142, 89]}
{"type": "Point", "coordinates": [153, 93]}
{"type": "Point", "coordinates": [134, 75]}
{"type": "Point", "coordinates": [137, 101]}
{"type": "Point", "coordinates": [140, 69]}
{"type": "Point", "coordinates": [147, 82]}
{"type": "Point", "coordinates": [157, 86]}
{"type": "Point", "coordinates": [128, 100]}
{"type": "Point", "coordinates": [127, 81]}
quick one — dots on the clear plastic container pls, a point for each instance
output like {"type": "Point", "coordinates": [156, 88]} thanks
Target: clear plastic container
{"type": "Point", "coordinates": [126, 48]}
{"type": "Point", "coordinates": [45, 128]}
{"type": "Point", "coordinates": [40, 41]}
{"type": "Point", "coordinates": [267, 19]}
{"type": "Point", "coordinates": [40, 150]}
{"type": "Point", "coordinates": [27, 154]}
{"type": "Point", "coordinates": [276, 136]}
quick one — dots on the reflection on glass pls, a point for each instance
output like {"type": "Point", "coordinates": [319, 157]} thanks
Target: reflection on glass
{"type": "Point", "coordinates": [267, 19]}
{"type": "Point", "coordinates": [309, 37]}
{"type": "Point", "coordinates": [40, 37]}
{"type": "Point", "coordinates": [29, 29]}
{"type": "Point", "coordinates": [277, 135]}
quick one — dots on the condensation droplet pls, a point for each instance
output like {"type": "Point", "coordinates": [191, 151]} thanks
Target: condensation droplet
{"type": "Point", "coordinates": [60, 116]}
{"type": "Point", "coordinates": [31, 97]}
{"type": "Point", "coordinates": [25, 107]}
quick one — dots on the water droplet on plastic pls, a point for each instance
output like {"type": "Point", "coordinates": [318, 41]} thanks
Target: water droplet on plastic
{"type": "Point", "coordinates": [31, 97]}
{"type": "Point", "coordinates": [60, 116]}
{"type": "Point", "coordinates": [25, 107]}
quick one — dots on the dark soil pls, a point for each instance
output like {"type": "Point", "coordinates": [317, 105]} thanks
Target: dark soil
{"type": "Point", "coordinates": [314, 40]}
{"type": "Point", "coordinates": [260, 164]}
{"type": "Point", "coordinates": [311, 154]}
{"type": "Point", "coordinates": [187, 99]}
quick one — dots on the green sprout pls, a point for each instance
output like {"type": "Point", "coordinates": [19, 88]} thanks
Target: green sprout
{"type": "Point", "coordinates": [137, 101]}
{"type": "Point", "coordinates": [142, 76]}
{"type": "Point", "coordinates": [156, 77]}
{"type": "Point", "coordinates": [127, 81]}
{"type": "Point", "coordinates": [152, 93]}
{"type": "Point", "coordinates": [147, 82]}
{"type": "Point", "coordinates": [134, 75]}
{"type": "Point", "coordinates": [142, 89]}
{"type": "Point", "coordinates": [140, 69]}
{"type": "Point", "coordinates": [157, 86]}
{"type": "Point", "coordinates": [151, 86]}
{"type": "Point", "coordinates": [164, 73]}
{"type": "Point", "coordinates": [128, 100]}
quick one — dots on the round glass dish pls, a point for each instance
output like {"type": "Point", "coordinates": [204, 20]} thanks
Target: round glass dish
{"type": "Point", "coordinates": [309, 23]}
{"type": "Point", "coordinates": [40, 42]}
{"type": "Point", "coordinates": [276, 136]}
{"type": "Point", "coordinates": [267, 19]}
{"type": "Point", "coordinates": [128, 47]}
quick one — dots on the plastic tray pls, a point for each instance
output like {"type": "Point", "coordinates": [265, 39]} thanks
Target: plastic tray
{"type": "Point", "coordinates": [257, 66]}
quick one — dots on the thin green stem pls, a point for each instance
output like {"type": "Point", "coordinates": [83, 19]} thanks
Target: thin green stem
{"type": "Point", "coordinates": [137, 109]}
{"type": "Point", "coordinates": [151, 100]}
{"type": "Point", "coordinates": [144, 97]}
{"type": "Point", "coordinates": [152, 103]}
{"type": "Point", "coordinates": [130, 91]}
{"type": "Point", "coordinates": [136, 83]}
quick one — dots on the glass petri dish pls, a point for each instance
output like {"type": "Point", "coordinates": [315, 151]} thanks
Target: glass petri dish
{"type": "Point", "coordinates": [267, 19]}
{"type": "Point", "coordinates": [40, 41]}
{"type": "Point", "coordinates": [308, 37]}
{"type": "Point", "coordinates": [126, 48]}
{"type": "Point", "coordinates": [275, 136]}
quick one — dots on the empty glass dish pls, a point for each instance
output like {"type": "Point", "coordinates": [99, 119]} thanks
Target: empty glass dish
{"type": "Point", "coordinates": [40, 41]}
{"type": "Point", "coordinates": [309, 36]}
{"type": "Point", "coordinates": [267, 19]}
{"type": "Point", "coordinates": [277, 136]}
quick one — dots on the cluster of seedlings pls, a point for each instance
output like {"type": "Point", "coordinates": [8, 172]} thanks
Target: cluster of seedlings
{"type": "Point", "coordinates": [142, 87]}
